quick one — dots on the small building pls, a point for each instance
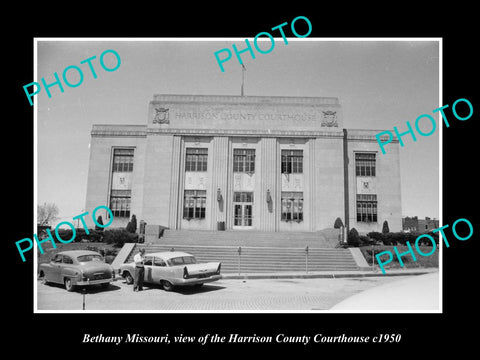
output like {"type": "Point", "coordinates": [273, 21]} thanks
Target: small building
{"type": "Point", "coordinates": [274, 164]}
{"type": "Point", "coordinates": [414, 224]}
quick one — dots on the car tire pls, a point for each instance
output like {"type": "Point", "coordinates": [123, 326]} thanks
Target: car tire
{"type": "Point", "coordinates": [167, 285]}
{"type": "Point", "coordinates": [43, 278]}
{"type": "Point", "coordinates": [198, 286]}
{"type": "Point", "coordinates": [68, 284]}
{"type": "Point", "coordinates": [105, 285]}
{"type": "Point", "coordinates": [128, 277]}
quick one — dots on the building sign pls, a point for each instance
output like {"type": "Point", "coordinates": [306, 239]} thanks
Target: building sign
{"type": "Point", "coordinates": [243, 182]}
{"type": "Point", "coordinates": [195, 180]}
{"type": "Point", "coordinates": [122, 180]}
{"type": "Point", "coordinates": [366, 185]}
{"type": "Point", "coordinates": [292, 182]}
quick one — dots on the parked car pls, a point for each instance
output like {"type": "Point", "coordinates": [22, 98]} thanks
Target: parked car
{"type": "Point", "coordinates": [173, 268]}
{"type": "Point", "coordinates": [77, 268]}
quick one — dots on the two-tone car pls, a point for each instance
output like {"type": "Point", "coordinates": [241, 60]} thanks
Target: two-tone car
{"type": "Point", "coordinates": [77, 268]}
{"type": "Point", "coordinates": [173, 268]}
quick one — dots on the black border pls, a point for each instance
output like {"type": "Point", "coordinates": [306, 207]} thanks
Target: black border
{"type": "Point", "coordinates": [428, 332]}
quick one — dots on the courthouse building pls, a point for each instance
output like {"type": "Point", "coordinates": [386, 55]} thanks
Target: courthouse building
{"type": "Point", "coordinates": [236, 163]}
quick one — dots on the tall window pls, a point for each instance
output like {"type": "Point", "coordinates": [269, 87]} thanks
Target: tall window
{"type": "Point", "coordinates": [292, 161]}
{"type": "Point", "coordinates": [194, 204]}
{"type": "Point", "coordinates": [243, 196]}
{"type": "Point", "coordinates": [121, 193]}
{"type": "Point", "coordinates": [366, 207]}
{"type": "Point", "coordinates": [365, 164]}
{"type": "Point", "coordinates": [120, 203]}
{"type": "Point", "coordinates": [122, 160]}
{"type": "Point", "coordinates": [292, 206]}
{"type": "Point", "coordinates": [244, 160]}
{"type": "Point", "coordinates": [196, 159]}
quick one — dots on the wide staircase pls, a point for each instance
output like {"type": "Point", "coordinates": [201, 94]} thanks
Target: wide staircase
{"type": "Point", "coordinates": [258, 252]}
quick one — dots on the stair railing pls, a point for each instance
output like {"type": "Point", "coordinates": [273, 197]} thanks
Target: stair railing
{"type": "Point", "coordinates": [239, 259]}
{"type": "Point", "coordinates": [306, 259]}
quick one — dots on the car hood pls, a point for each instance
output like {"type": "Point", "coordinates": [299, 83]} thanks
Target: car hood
{"type": "Point", "coordinates": [195, 269]}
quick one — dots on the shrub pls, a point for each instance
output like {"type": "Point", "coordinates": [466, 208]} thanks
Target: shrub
{"type": "Point", "coordinates": [94, 236]}
{"type": "Point", "coordinates": [80, 233]}
{"type": "Point", "coordinates": [398, 238]}
{"type": "Point", "coordinates": [66, 234]}
{"type": "Point", "coordinates": [99, 221]}
{"type": "Point", "coordinates": [338, 223]}
{"type": "Point", "coordinates": [428, 242]}
{"type": "Point", "coordinates": [365, 240]}
{"type": "Point", "coordinates": [376, 236]}
{"type": "Point", "coordinates": [385, 228]}
{"type": "Point", "coordinates": [353, 238]}
{"type": "Point", "coordinates": [119, 236]}
{"type": "Point", "coordinates": [132, 225]}
{"type": "Point", "coordinates": [410, 237]}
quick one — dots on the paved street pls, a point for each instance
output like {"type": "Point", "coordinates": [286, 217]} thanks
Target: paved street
{"type": "Point", "coordinates": [226, 294]}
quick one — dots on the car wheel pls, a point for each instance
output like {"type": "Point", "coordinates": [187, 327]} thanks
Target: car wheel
{"type": "Point", "coordinates": [68, 284]}
{"type": "Point", "coordinates": [105, 285]}
{"type": "Point", "coordinates": [167, 285]}
{"type": "Point", "coordinates": [128, 277]}
{"type": "Point", "coordinates": [41, 276]}
{"type": "Point", "coordinates": [198, 286]}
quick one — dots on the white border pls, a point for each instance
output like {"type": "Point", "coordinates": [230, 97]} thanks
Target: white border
{"type": "Point", "coordinates": [353, 39]}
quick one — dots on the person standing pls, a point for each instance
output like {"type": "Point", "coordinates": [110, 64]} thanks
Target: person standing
{"type": "Point", "coordinates": [139, 270]}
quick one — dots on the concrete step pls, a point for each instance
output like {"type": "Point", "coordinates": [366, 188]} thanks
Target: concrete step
{"type": "Point", "coordinates": [263, 259]}
{"type": "Point", "coordinates": [327, 238]}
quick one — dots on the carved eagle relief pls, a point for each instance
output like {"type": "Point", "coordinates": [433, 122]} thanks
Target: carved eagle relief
{"type": "Point", "coordinates": [329, 118]}
{"type": "Point", "coordinates": [161, 116]}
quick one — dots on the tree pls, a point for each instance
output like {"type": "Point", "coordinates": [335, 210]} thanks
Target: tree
{"type": "Point", "coordinates": [338, 223]}
{"type": "Point", "coordinates": [385, 229]}
{"type": "Point", "coordinates": [132, 224]}
{"type": "Point", "coordinates": [99, 221]}
{"type": "Point", "coordinates": [46, 214]}
{"type": "Point", "coordinates": [353, 238]}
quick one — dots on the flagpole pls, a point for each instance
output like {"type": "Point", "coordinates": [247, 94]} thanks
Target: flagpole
{"type": "Point", "coordinates": [243, 78]}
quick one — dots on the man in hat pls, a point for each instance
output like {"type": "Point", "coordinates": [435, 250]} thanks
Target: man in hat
{"type": "Point", "coordinates": [139, 270]}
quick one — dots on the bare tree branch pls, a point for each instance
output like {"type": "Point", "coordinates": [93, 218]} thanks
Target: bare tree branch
{"type": "Point", "coordinates": [46, 214]}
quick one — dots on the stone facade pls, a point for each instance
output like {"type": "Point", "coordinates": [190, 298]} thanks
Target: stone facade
{"type": "Point", "coordinates": [242, 162]}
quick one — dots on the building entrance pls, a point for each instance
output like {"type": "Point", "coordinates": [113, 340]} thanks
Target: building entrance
{"type": "Point", "coordinates": [242, 210]}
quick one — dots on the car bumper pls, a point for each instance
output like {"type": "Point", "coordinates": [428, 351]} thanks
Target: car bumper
{"type": "Point", "coordinates": [195, 281]}
{"type": "Point", "coordinates": [94, 282]}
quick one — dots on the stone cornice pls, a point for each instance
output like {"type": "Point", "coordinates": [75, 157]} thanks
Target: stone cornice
{"type": "Point", "coordinates": [246, 133]}
{"type": "Point", "coordinates": [367, 135]}
{"type": "Point", "coordinates": [143, 131]}
{"type": "Point", "coordinates": [232, 99]}
{"type": "Point", "coordinates": [369, 138]}
{"type": "Point", "coordinates": [107, 130]}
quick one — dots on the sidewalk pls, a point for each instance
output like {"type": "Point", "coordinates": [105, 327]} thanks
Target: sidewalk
{"type": "Point", "coordinates": [330, 274]}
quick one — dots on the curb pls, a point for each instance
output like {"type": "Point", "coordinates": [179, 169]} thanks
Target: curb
{"type": "Point", "coordinates": [327, 275]}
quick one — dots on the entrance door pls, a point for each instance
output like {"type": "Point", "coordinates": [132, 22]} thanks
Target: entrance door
{"type": "Point", "coordinates": [243, 210]}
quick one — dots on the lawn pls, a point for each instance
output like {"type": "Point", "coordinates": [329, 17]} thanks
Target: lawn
{"type": "Point", "coordinates": [421, 262]}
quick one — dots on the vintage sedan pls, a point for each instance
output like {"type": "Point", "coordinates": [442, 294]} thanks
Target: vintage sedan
{"type": "Point", "coordinates": [173, 268]}
{"type": "Point", "coordinates": [77, 268]}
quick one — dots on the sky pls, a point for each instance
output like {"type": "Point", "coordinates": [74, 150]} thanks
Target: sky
{"type": "Point", "coordinates": [379, 84]}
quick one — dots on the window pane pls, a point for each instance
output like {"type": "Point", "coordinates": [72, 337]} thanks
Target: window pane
{"type": "Point", "coordinates": [365, 164]}
{"type": "Point", "coordinates": [196, 159]}
{"type": "Point", "coordinates": [123, 160]}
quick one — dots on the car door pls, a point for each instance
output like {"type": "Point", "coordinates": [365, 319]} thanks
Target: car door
{"type": "Point", "coordinates": [55, 268]}
{"type": "Point", "coordinates": [159, 269]}
{"type": "Point", "coordinates": [66, 267]}
{"type": "Point", "coordinates": [147, 263]}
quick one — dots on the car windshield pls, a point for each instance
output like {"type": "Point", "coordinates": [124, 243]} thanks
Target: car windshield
{"type": "Point", "coordinates": [182, 260]}
{"type": "Point", "coordinates": [87, 258]}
